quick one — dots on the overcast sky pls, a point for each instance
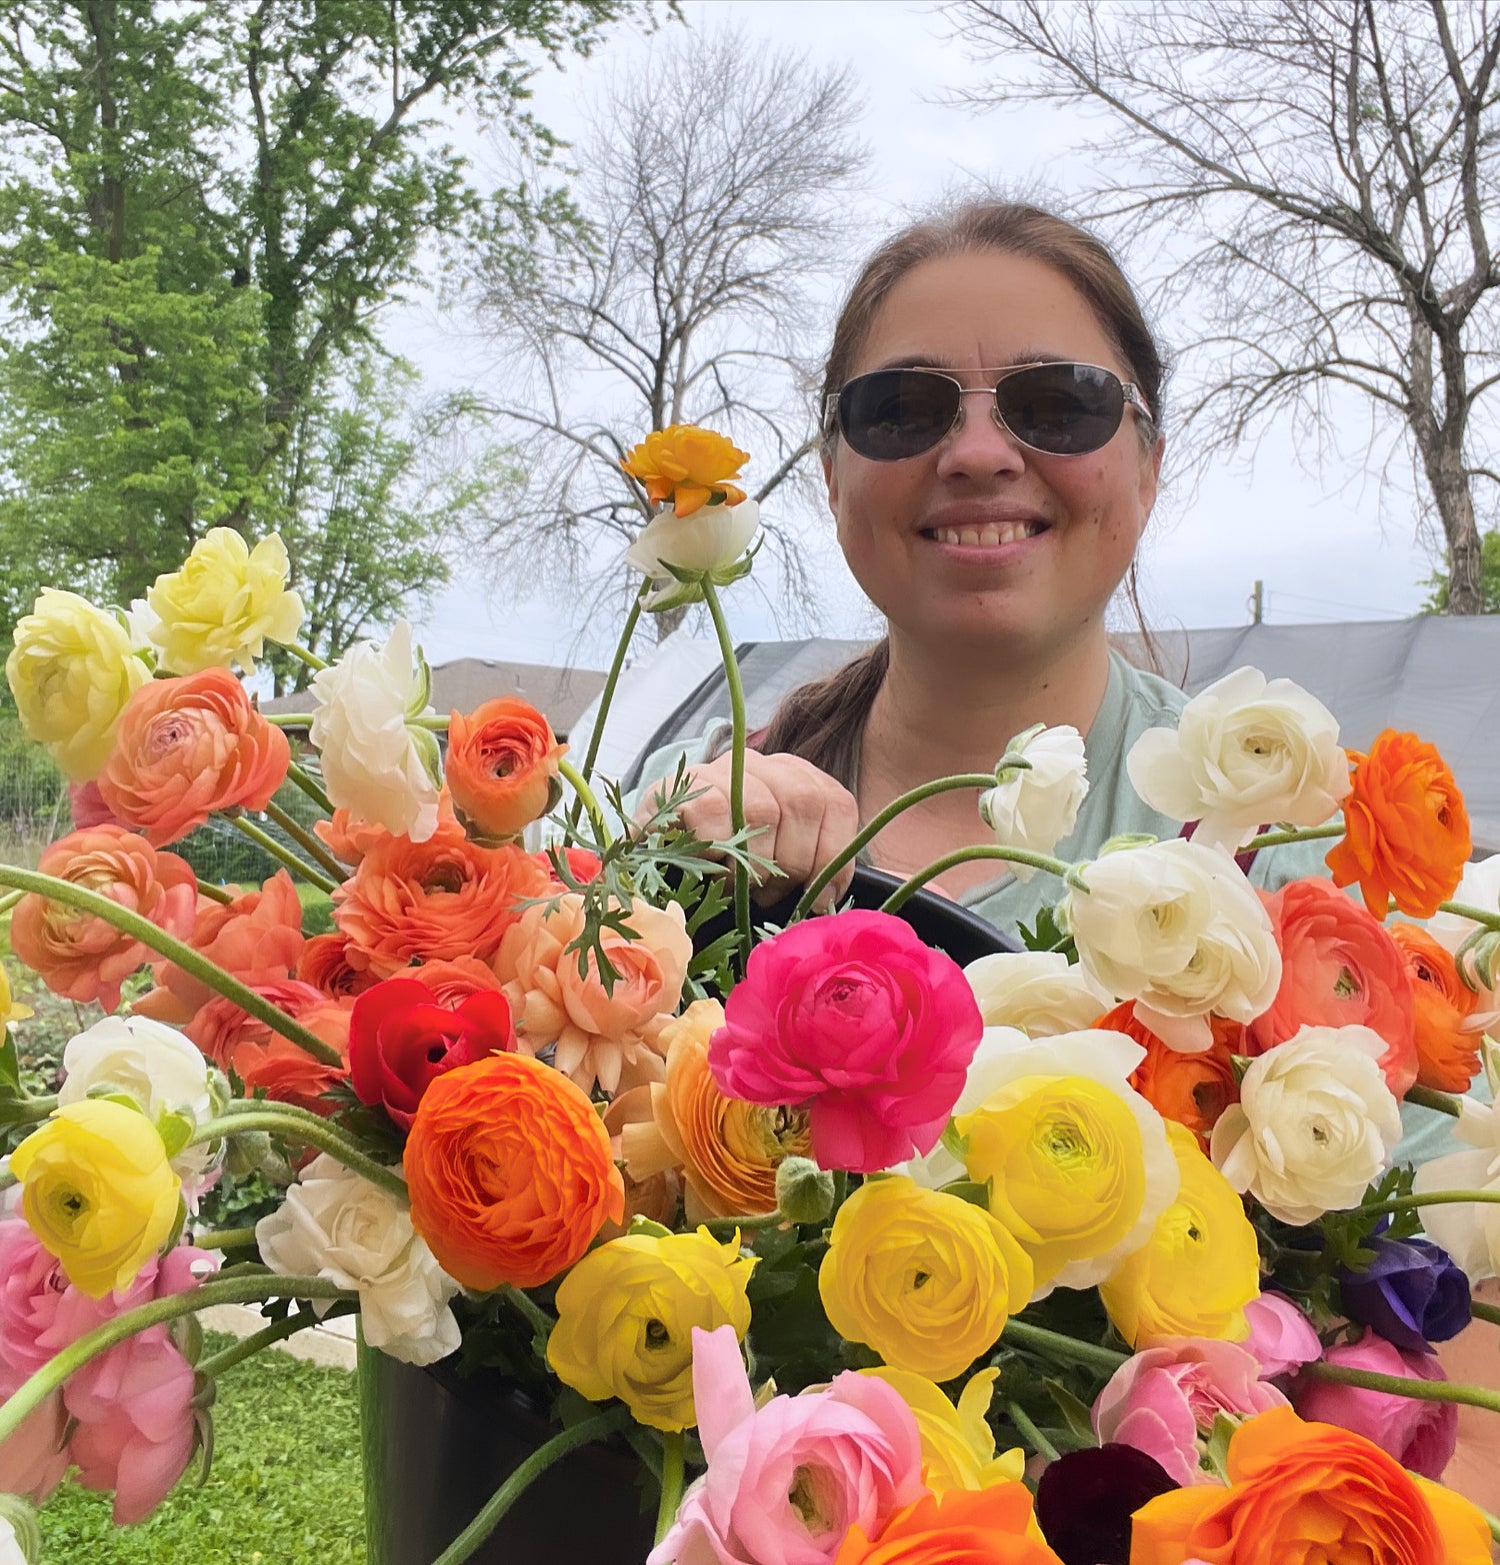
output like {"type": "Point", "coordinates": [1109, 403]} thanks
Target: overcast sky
{"type": "Point", "coordinates": [1326, 545]}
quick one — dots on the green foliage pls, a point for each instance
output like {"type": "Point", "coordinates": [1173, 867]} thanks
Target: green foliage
{"type": "Point", "coordinates": [1437, 599]}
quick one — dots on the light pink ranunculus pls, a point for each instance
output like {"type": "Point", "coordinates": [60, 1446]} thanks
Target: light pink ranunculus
{"type": "Point", "coordinates": [34, 1459]}
{"type": "Point", "coordinates": [32, 1285]}
{"type": "Point", "coordinates": [1162, 1399]}
{"type": "Point", "coordinates": [1420, 1435]}
{"type": "Point", "coordinates": [787, 1481]}
{"type": "Point", "coordinates": [1281, 1336]}
{"type": "Point", "coordinates": [852, 1018]}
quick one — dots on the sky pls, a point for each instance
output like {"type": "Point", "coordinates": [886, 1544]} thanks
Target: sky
{"type": "Point", "coordinates": [1326, 545]}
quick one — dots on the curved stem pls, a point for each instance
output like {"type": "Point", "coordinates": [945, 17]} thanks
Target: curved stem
{"type": "Point", "coordinates": [1399, 1385]}
{"type": "Point", "coordinates": [27, 1111]}
{"type": "Point", "coordinates": [9, 900]}
{"type": "Point", "coordinates": [1402, 1203]}
{"type": "Point", "coordinates": [1431, 1098]}
{"type": "Point", "coordinates": [305, 840]}
{"type": "Point", "coordinates": [219, 894]}
{"type": "Point", "coordinates": [304, 781]}
{"type": "Point", "coordinates": [224, 1238]}
{"type": "Point", "coordinates": [1275, 839]}
{"type": "Point", "coordinates": [962, 856]}
{"type": "Point", "coordinates": [1476, 915]}
{"type": "Point", "coordinates": [305, 655]}
{"type": "Point", "coordinates": [1482, 1311]}
{"type": "Point", "coordinates": [585, 797]}
{"type": "Point", "coordinates": [607, 696]}
{"type": "Point", "coordinates": [877, 824]}
{"type": "Point", "coordinates": [533, 1467]}
{"type": "Point", "coordinates": [527, 1307]}
{"type": "Point", "coordinates": [1059, 1348]}
{"type": "Point", "coordinates": [1029, 1432]}
{"type": "Point", "coordinates": [319, 1133]}
{"type": "Point", "coordinates": [736, 765]}
{"type": "Point", "coordinates": [672, 1466]}
{"type": "Point", "coordinates": [267, 1336]}
{"type": "Point", "coordinates": [263, 839]}
{"type": "Point", "coordinates": [189, 960]}
{"type": "Point", "coordinates": [742, 1221]}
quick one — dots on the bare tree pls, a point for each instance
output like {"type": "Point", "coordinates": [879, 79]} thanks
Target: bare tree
{"type": "Point", "coordinates": [672, 284]}
{"type": "Point", "coordinates": [1325, 175]}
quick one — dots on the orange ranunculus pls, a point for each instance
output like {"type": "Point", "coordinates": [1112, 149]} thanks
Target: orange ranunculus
{"type": "Point", "coordinates": [433, 901]}
{"type": "Point", "coordinates": [187, 747]}
{"type": "Point", "coordinates": [501, 765]}
{"type": "Point", "coordinates": [1193, 1089]}
{"type": "Point", "coordinates": [1406, 831]}
{"type": "Point", "coordinates": [80, 955]}
{"type": "Point", "coordinates": [1448, 1041]}
{"type": "Point", "coordinates": [453, 982]}
{"type": "Point", "coordinates": [727, 1150]}
{"type": "Point", "coordinates": [1339, 968]}
{"type": "Point", "coordinates": [324, 963]}
{"type": "Point", "coordinates": [1301, 1492]}
{"type": "Point", "coordinates": [604, 1036]}
{"type": "Point", "coordinates": [990, 1526]}
{"type": "Point", "coordinates": [688, 466]}
{"type": "Point", "coordinates": [348, 840]}
{"type": "Point", "coordinates": [262, 1060]}
{"type": "Point", "coordinates": [509, 1172]}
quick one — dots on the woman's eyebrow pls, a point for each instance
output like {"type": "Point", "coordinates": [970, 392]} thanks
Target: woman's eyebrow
{"type": "Point", "coordinates": [927, 361]}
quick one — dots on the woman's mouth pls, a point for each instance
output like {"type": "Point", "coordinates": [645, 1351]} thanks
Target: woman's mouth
{"type": "Point", "coordinates": [992, 535]}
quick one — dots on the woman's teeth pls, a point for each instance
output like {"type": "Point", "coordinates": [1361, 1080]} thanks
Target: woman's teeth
{"type": "Point", "coordinates": [987, 537]}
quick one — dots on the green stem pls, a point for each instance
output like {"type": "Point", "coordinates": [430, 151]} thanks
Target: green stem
{"type": "Point", "coordinates": [313, 1132]}
{"type": "Point", "coordinates": [1029, 1432]}
{"type": "Point", "coordinates": [1399, 1385]}
{"type": "Point", "coordinates": [743, 1221]}
{"type": "Point", "coordinates": [736, 765]}
{"type": "Point", "coordinates": [527, 1307]}
{"type": "Point", "coordinates": [283, 855]}
{"type": "Point", "coordinates": [672, 1466]}
{"type": "Point", "coordinates": [1275, 839]}
{"type": "Point", "coordinates": [1492, 1522]}
{"type": "Point", "coordinates": [224, 1238]}
{"type": "Point", "coordinates": [267, 1336]}
{"type": "Point", "coordinates": [1482, 1311]}
{"type": "Point", "coordinates": [963, 856]}
{"type": "Point", "coordinates": [9, 900]}
{"type": "Point", "coordinates": [27, 1111]}
{"type": "Point", "coordinates": [533, 1467]}
{"type": "Point", "coordinates": [305, 840]}
{"type": "Point", "coordinates": [1477, 915]}
{"type": "Point", "coordinates": [586, 797]}
{"type": "Point", "coordinates": [305, 655]}
{"type": "Point", "coordinates": [1404, 1203]}
{"type": "Point", "coordinates": [1059, 1348]}
{"type": "Point", "coordinates": [1431, 1098]}
{"type": "Point", "coordinates": [220, 1290]}
{"type": "Point", "coordinates": [304, 781]}
{"type": "Point", "coordinates": [189, 960]}
{"type": "Point", "coordinates": [867, 834]}
{"type": "Point", "coordinates": [607, 696]}
{"type": "Point", "coordinates": [219, 894]}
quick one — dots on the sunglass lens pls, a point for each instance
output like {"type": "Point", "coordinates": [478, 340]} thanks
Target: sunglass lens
{"type": "Point", "coordinates": [893, 414]}
{"type": "Point", "coordinates": [1065, 409]}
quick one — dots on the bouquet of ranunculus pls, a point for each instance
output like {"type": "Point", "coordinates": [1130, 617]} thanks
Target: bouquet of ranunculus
{"type": "Point", "coordinates": [1097, 1252]}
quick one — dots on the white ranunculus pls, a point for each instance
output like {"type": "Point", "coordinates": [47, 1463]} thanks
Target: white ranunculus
{"type": "Point", "coordinates": [712, 538]}
{"type": "Point", "coordinates": [1469, 1233]}
{"type": "Point", "coordinates": [1314, 1125]}
{"type": "Point", "coordinates": [1035, 809]}
{"type": "Point", "coordinates": [375, 763]}
{"type": "Point", "coordinates": [1177, 928]}
{"type": "Point", "coordinates": [338, 1225]}
{"type": "Point", "coordinates": [1480, 888]}
{"type": "Point", "coordinates": [13, 1549]}
{"type": "Point", "coordinates": [1246, 752]}
{"type": "Point", "coordinates": [1040, 992]}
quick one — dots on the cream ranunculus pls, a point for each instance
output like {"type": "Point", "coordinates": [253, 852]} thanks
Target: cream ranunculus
{"type": "Point", "coordinates": [1246, 751]}
{"type": "Point", "coordinates": [71, 671]}
{"type": "Point", "coordinates": [1035, 809]}
{"type": "Point", "coordinates": [1177, 928]}
{"type": "Point", "coordinates": [1469, 1233]}
{"type": "Point", "coordinates": [337, 1225]}
{"type": "Point", "coordinates": [225, 603]}
{"type": "Point", "coordinates": [1314, 1125]}
{"type": "Point", "coordinates": [711, 539]}
{"type": "Point", "coordinates": [376, 763]}
{"type": "Point", "coordinates": [1040, 992]}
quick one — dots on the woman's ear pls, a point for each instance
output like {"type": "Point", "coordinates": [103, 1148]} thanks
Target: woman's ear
{"type": "Point", "coordinates": [1151, 475]}
{"type": "Point", "coordinates": [830, 479]}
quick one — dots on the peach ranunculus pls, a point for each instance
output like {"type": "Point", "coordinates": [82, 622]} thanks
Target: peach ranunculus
{"type": "Point", "coordinates": [432, 901]}
{"type": "Point", "coordinates": [1448, 1033]}
{"type": "Point", "coordinates": [501, 765]}
{"type": "Point", "coordinates": [728, 1150]}
{"type": "Point", "coordinates": [453, 982]}
{"type": "Point", "coordinates": [654, 1194]}
{"type": "Point", "coordinates": [1406, 830]}
{"type": "Point", "coordinates": [1339, 968]}
{"type": "Point", "coordinates": [687, 466]}
{"type": "Point", "coordinates": [185, 748]}
{"type": "Point", "coordinates": [1192, 1089]}
{"type": "Point", "coordinates": [604, 1036]}
{"type": "Point", "coordinates": [324, 963]}
{"type": "Point", "coordinates": [1304, 1491]}
{"type": "Point", "coordinates": [347, 839]}
{"type": "Point", "coordinates": [80, 955]}
{"type": "Point", "coordinates": [242, 1045]}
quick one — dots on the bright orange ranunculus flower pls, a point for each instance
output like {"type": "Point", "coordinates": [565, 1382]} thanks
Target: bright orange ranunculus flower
{"type": "Point", "coordinates": [1193, 1089]}
{"type": "Point", "coordinates": [501, 763]}
{"type": "Point", "coordinates": [1447, 1043]}
{"type": "Point", "coordinates": [510, 1173]}
{"type": "Point", "coordinates": [1293, 1482]}
{"type": "Point", "coordinates": [1406, 831]}
{"type": "Point", "coordinates": [687, 466]}
{"type": "Point", "coordinates": [990, 1526]}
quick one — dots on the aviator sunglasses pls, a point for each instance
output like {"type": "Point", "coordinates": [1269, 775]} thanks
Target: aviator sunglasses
{"type": "Point", "coordinates": [1060, 409]}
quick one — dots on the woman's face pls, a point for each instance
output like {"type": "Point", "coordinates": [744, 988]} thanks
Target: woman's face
{"type": "Point", "coordinates": [1067, 526]}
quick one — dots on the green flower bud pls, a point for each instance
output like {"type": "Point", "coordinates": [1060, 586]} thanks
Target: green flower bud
{"type": "Point", "coordinates": [804, 1192]}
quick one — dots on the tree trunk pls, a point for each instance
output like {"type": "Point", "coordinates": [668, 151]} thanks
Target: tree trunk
{"type": "Point", "coordinates": [668, 621]}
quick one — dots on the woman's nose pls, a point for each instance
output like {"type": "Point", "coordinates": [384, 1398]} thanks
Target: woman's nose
{"type": "Point", "coordinates": [978, 445]}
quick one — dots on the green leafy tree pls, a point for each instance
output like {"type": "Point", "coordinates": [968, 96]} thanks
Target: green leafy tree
{"type": "Point", "coordinates": [1437, 601]}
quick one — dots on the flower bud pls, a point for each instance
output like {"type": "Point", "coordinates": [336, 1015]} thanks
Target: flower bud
{"type": "Point", "coordinates": [804, 1192]}
{"type": "Point", "coordinates": [247, 1151]}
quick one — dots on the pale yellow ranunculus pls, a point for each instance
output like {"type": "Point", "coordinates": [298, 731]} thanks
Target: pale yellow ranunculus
{"type": "Point", "coordinates": [1201, 1266]}
{"type": "Point", "coordinates": [928, 1280]}
{"type": "Point", "coordinates": [225, 603]}
{"type": "Point", "coordinates": [9, 1010]}
{"type": "Point", "coordinates": [71, 671]}
{"type": "Point", "coordinates": [625, 1318]}
{"type": "Point", "coordinates": [958, 1445]}
{"type": "Point", "coordinates": [98, 1192]}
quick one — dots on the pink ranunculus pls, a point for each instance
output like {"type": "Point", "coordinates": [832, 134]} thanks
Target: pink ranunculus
{"type": "Point", "coordinates": [32, 1287]}
{"type": "Point", "coordinates": [787, 1481]}
{"type": "Point", "coordinates": [1420, 1435]}
{"type": "Point", "coordinates": [35, 1458]}
{"type": "Point", "coordinates": [1281, 1336]}
{"type": "Point", "coordinates": [852, 1018]}
{"type": "Point", "coordinates": [1161, 1400]}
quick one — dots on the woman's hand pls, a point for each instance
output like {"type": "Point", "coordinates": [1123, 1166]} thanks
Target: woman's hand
{"type": "Point", "coordinates": [798, 817]}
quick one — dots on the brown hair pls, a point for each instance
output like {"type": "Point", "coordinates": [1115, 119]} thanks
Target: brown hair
{"type": "Point", "coordinates": [824, 721]}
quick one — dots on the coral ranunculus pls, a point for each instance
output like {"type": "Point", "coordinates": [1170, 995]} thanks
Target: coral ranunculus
{"type": "Point", "coordinates": [185, 748]}
{"type": "Point", "coordinates": [80, 955]}
{"type": "Point", "coordinates": [324, 963]}
{"type": "Point", "coordinates": [1192, 1089]}
{"type": "Point", "coordinates": [1406, 830]}
{"type": "Point", "coordinates": [990, 1526]}
{"type": "Point", "coordinates": [1448, 1042]}
{"type": "Point", "coordinates": [263, 1060]}
{"type": "Point", "coordinates": [687, 466]}
{"type": "Point", "coordinates": [510, 1173]}
{"type": "Point", "coordinates": [501, 765]}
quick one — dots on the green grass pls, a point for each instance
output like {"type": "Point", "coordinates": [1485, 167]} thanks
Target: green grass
{"type": "Point", "coordinates": [285, 1488]}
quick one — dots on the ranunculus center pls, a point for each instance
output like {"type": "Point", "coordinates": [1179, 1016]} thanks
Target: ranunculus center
{"type": "Point", "coordinates": [446, 877]}
{"type": "Point", "coordinates": [847, 993]}
{"type": "Point", "coordinates": [1063, 1141]}
{"type": "Point", "coordinates": [657, 1335]}
{"type": "Point", "coordinates": [1347, 984]}
{"type": "Point", "coordinates": [810, 1497]}
{"type": "Point", "coordinates": [68, 1206]}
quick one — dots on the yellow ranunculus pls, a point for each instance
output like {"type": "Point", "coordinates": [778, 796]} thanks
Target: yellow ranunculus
{"type": "Point", "coordinates": [688, 466]}
{"type": "Point", "coordinates": [1201, 1266]}
{"type": "Point", "coordinates": [71, 671]}
{"type": "Point", "coordinates": [98, 1192]}
{"type": "Point", "coordinates": [625, 1318]}
{"type": "Point", "coordinates": [927, 1280]}
{"type": "Point", "coordinates": [225, 603]}
{"type": "Point", "coordinates": [958, 1445]}
{"type": "Point", "coordinates": [9, 1010]}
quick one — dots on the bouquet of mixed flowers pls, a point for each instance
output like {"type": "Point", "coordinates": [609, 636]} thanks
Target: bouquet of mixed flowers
{"type": "Point", "coordinates": [1093, 1252]}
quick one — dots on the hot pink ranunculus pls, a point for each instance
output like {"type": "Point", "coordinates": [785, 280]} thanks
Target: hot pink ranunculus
{"type": "Point", "coordinates": [854, 1019]}
{"type": "Point", "coordinates": [1420, 1435]}
{"type": "Point", "coordinates": [1281, 1336]}
{"type": "Point", "coordinates": [787, 1481]}
{"type": "Point", "coordinates": [1161, 1400]}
